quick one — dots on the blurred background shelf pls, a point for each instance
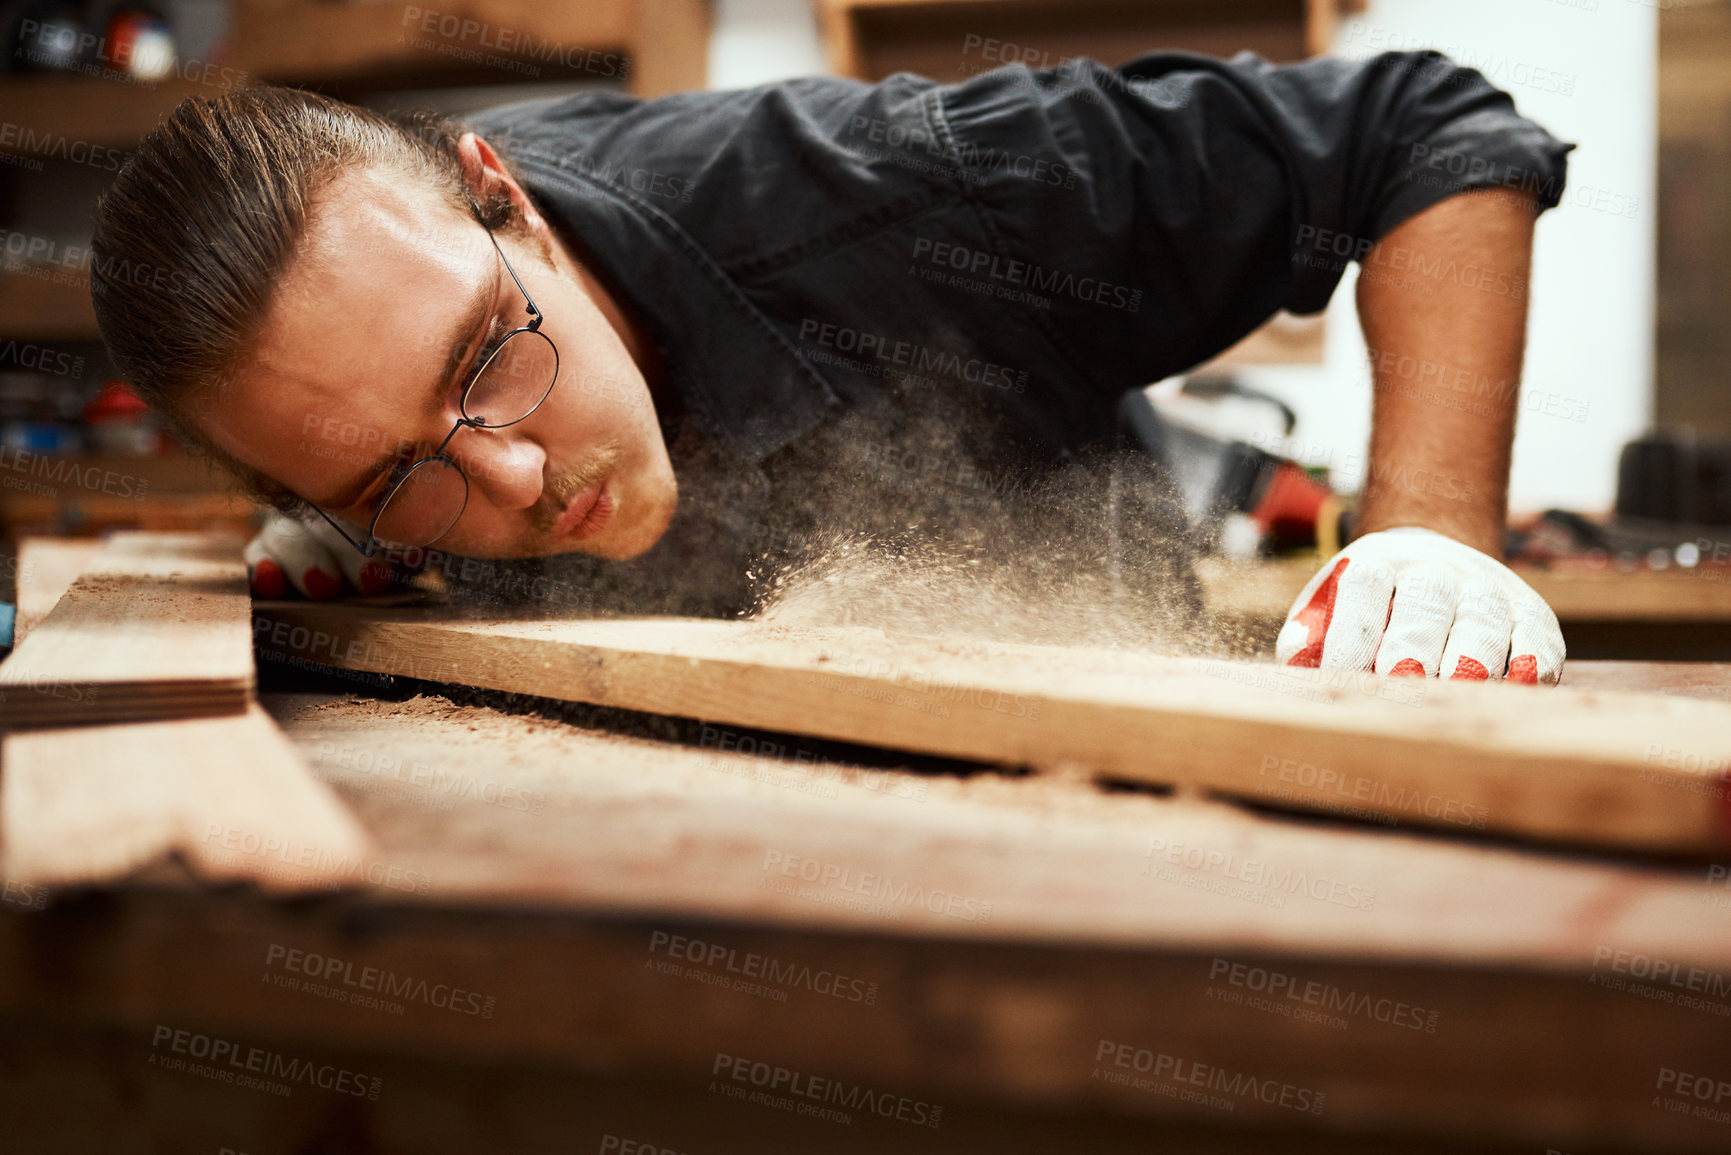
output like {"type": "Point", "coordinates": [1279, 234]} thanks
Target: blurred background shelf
{"type": "Point", "coordinates": [873, 38]}
{"type": "Point", "coordinates": [47, 304]}
{"type": "Point", "coordinates": [113, 113]}
{"type": "Point", "coordinates": [68, 119]}
{"type": "Point", "coordinates": [651, 46]}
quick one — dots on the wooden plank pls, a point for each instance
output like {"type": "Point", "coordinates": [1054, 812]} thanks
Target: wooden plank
{"type": "Point", "coordinates": [551, 911]}
{"type": "Point", "coordinates": [47, 567]}
{"type": "Point", "coordinates": [1585, 767]}
{"type": "Point", "coordinates": [155, 628]}
{"type": "Point", "coordinates": [89, 804]}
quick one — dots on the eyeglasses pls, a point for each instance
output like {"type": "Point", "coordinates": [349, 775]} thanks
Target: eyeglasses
{"type": "Point", "coordinates": [426, 497]}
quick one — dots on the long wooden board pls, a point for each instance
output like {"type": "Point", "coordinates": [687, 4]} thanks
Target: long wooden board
{"type": "Point", "coordinates": [154, 628]}
{"type": "Point", "coordinates": [1583, 767]}
{"type": "Point", "coordinates": [230, 796]}
{"type": "Point", "coordinates": [562, 863]}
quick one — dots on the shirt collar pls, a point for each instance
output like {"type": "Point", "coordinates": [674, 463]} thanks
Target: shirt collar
{"type": "Point", "coordinates": [741, 378]}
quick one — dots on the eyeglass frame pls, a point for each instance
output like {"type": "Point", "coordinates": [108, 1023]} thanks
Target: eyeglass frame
{"type": "Point", "coordinates": [372, 544]}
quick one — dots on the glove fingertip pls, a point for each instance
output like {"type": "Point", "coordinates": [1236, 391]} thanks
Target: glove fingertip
{"type": "Point", "coordinates": [268, 580]}
{"type": "Point", "coordinates": [1469, 670]}
{"type": "Point", "coordinates": [1524, 669]}
{"type": "Point", "coordinates": [320, 585]}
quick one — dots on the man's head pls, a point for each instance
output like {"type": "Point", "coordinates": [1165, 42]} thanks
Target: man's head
{"type": "Point", "coordinates": [304, 287]}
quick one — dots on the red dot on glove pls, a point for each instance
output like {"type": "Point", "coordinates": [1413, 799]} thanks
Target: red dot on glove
{"type": "Point", "coordinates": [268, 580]}
{"type": "Point", "coordinates": [1315, 616]}
{"type": "Point", "coordinates": [1469, 670]}
{"type": "Point", "coordinates": [1524, 669]}
{"type": "Point", "coordinates": [321, 585]}
{"type": "Point", "coordinates": [1407, 668]}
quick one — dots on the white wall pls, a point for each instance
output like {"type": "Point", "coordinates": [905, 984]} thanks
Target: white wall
{"type": "Point", "coordinates": [1586, 70]}
{"type": "Point", "coordinates": [757, 41]}
{"type": "Point", "coordinates": [1590, 334]}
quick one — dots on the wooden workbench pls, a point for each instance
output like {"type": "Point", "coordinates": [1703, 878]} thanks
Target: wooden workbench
{"type": "Point", "coordinates": [1037, 962]}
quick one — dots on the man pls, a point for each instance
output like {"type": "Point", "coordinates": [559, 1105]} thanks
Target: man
{"type": "Point", "coordinates": [732, 320]}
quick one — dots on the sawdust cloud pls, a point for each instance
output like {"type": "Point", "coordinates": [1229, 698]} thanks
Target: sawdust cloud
{"type": "Point", "coordinates": [906, 518]}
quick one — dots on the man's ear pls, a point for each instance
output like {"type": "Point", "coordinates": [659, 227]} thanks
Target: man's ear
{"type": "Point", "coordinates": [486, 175]}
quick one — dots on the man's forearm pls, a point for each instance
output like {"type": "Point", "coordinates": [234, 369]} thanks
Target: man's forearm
{"type": "Point", "coordinates": [1443, 302]}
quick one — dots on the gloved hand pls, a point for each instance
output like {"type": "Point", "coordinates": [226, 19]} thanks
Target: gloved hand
{"type": "Point", "coordinates": [1411, 601]}
{"type": "Point", "coordinates": [313, 558]}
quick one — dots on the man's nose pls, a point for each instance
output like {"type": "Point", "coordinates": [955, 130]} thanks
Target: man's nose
{"type": "Point", "coordinates": [504, 468]}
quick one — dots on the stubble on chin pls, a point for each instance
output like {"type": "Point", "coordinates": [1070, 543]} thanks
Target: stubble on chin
{"type": "Point", "coordinates": [559, 492]}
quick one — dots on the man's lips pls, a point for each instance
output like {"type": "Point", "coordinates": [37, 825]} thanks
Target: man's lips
{"type": "Point", "coordinates": [587, 514]}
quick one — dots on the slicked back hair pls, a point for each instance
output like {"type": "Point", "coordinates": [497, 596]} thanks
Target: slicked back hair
{"type": "Point", "coordinates": [206, 215]}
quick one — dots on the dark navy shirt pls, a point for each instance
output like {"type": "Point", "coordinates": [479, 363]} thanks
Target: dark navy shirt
{"type": "Point", "coordinates": [940, 290]}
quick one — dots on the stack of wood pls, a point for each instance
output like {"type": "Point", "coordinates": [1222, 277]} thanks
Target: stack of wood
{"type": "Point", "coordinates": [133, 734]}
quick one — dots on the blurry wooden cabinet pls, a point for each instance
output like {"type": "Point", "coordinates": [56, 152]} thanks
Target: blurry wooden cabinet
{"type": "Point", "coordinates": [947, 39]}
{"type": "Point", "coordinates": [652, 46]}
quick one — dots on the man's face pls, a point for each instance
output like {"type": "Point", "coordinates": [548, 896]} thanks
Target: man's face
{"type": "Point", "coordinates": [386, 308]}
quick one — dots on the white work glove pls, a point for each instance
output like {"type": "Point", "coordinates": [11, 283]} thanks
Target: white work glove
{"type": "Point", "coordinates": [313, 558]}
{"type": "Point", "coordinates": [1413, 602]}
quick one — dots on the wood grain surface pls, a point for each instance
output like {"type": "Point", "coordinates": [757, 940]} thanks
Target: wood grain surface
{"type": "Point", "coordinates": [154, 628]}
{"type": "Point", "coordinates": [1592, 767]}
